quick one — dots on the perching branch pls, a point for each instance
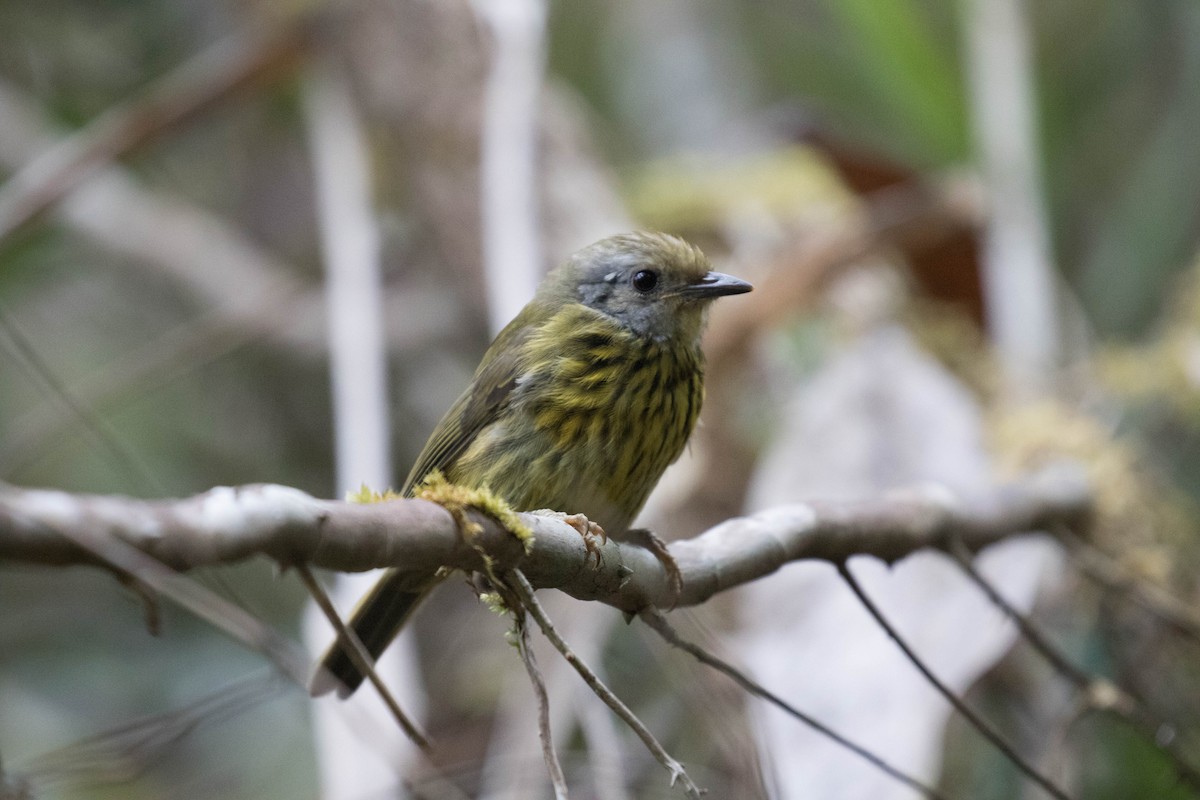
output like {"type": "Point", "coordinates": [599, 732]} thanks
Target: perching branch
{"type": "Point", "coordinates": [226, 525]}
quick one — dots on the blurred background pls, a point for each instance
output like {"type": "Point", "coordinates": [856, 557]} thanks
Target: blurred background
{"type": "Point", "coordinates": [973, 230]}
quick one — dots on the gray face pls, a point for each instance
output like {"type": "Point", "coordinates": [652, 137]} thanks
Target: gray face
{"type": "Point", "coordinates": [645, 298]}
{"type": "Point", "coordinates": [636, 295]}
{"type": "Point", "coordinates": [655, 285]}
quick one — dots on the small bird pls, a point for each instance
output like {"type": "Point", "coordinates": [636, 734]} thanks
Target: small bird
{"type": "Point", "coordinates": [579, 405]}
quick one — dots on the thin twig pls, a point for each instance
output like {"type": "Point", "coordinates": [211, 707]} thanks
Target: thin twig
{"type": "Point", "coordinates": [198, 84]}
{"type": "Point", "coordinates": [104, 437]}
{"type": "Point", "coordinates": [1109, 573]}
{"type": "Point", "coordinates": [187, 348]}
{"type": "Point", "coordinates": [1032, 633]}
{"type": "Point", "coordinates": [358, 655]}
{"type": "Point", "coordinates": [974, 719]}
{"type": "Point", "coordinates": [99, 429]}
{"type": "Point", "coordinates": [656, 620]}
{"type": "Point", "coordinates": [1097, 693]}
{"type": "Point", "coordinates": [604, 750]}
{"type": "Point", "coordinates": [288, 657]}
{"type": "Point", "coordinates": [543, 701]}
{"type": "Point", "coordinates": [151, 610]}
{"type": "Point", "coordinates": [524, 591]}
{"type": "Point", "coordinates": [164, 234]}
{"type": "Point", "coordinates": [121, 753]}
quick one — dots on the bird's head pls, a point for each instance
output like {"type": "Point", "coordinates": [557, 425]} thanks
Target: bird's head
{"type": "Point", "coordinates": [656, 285]}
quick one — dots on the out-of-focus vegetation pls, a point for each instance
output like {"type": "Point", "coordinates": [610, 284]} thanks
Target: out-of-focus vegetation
{"type": "Point", "coordinates": [772, 107]}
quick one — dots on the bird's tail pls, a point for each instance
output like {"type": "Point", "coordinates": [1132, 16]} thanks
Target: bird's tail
{"type": "Point", "coordinates": [376, 620]}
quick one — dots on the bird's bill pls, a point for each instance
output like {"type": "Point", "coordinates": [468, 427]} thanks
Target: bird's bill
{"type": "Point", "coordinates": [715, 284]}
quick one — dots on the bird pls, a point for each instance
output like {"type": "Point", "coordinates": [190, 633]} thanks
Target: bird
{"type": "Point", "coordinates": [578, 405]}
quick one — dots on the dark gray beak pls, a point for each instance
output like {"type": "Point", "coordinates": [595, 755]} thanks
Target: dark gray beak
{"type": "Point", "coordinates": [715, 284]}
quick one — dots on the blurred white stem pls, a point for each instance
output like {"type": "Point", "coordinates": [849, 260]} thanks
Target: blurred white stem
{"type": "Point", "coordinates": [354, 284]}
{"type": "Point", "coordinates": [358, 373]}
{"type": "Point", "coordinates": [508, 158]}
{"type": "Point", "coordinates": [1018, 271]}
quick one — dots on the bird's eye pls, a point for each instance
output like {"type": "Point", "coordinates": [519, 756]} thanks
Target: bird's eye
{"type": "Point", "coordinates": [644, 280]}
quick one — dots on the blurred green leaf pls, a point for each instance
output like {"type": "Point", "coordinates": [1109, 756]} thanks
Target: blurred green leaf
{"type": "Point", "coordinates": [912, 76]}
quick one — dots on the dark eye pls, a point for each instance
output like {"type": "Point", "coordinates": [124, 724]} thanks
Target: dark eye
{"type": "Point", "coordinates": [644, 280]}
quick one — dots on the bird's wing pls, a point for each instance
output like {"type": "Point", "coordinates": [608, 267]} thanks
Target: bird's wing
{"type": "Point", "coordinates": [489, 392]}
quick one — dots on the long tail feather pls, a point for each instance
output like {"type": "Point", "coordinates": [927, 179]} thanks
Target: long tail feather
{"type": "Point", "coordinates": [376, 620]}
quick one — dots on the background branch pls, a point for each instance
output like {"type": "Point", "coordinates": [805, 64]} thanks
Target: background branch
{"type": "Point", "coordinates": [245, 57]}
{"type": "Point", "coordinates": [977, 722]}
{"type": "Point", "coordinates": [658, 622]}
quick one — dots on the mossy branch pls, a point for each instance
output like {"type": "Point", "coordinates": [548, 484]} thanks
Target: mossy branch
{"type": "Point", "coordinates": [226, 525]}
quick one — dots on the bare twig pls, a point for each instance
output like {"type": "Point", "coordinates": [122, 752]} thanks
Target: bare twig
{"type": "Point", "coordinates": [1109, 573]}
{"type": "Point", "coordinates": [1097, 693]}
{"type": "Point", "coordinates": [205, 254]}
{"type": "Point", "coordinates": [354, 649]}
{"type": "Point", "coordinates": [288, 657]}
{"type": "Point", "coordinates": [151, 610]}
{"type": "Point", "coordinates": [243, 59]}
{"type": "Point", "coordinates": [1031, 632]}
{"type": "Point", "coordinates": [604, 750]}
{"type": "Point", "coordinates": [99, 429]}
{"type": "Point", "coordinates": [505, 771]}
{"type": "Point", "coordinates": [188, 347]}
{"type": "Point", "coordinates": [658, 621]}
{"type": "Point", "coordinates": [524, 591]}
{"type": "Point", "coordinates": [543, 702]}
{"type": "Point", "coordinates": [973, 718]}
{"type": "Point", "coordinates": [121, 753]}
{"type": "Point", "coordinates": [103, 436]}
{"type": "Point", "coordinates": [341, 166]}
